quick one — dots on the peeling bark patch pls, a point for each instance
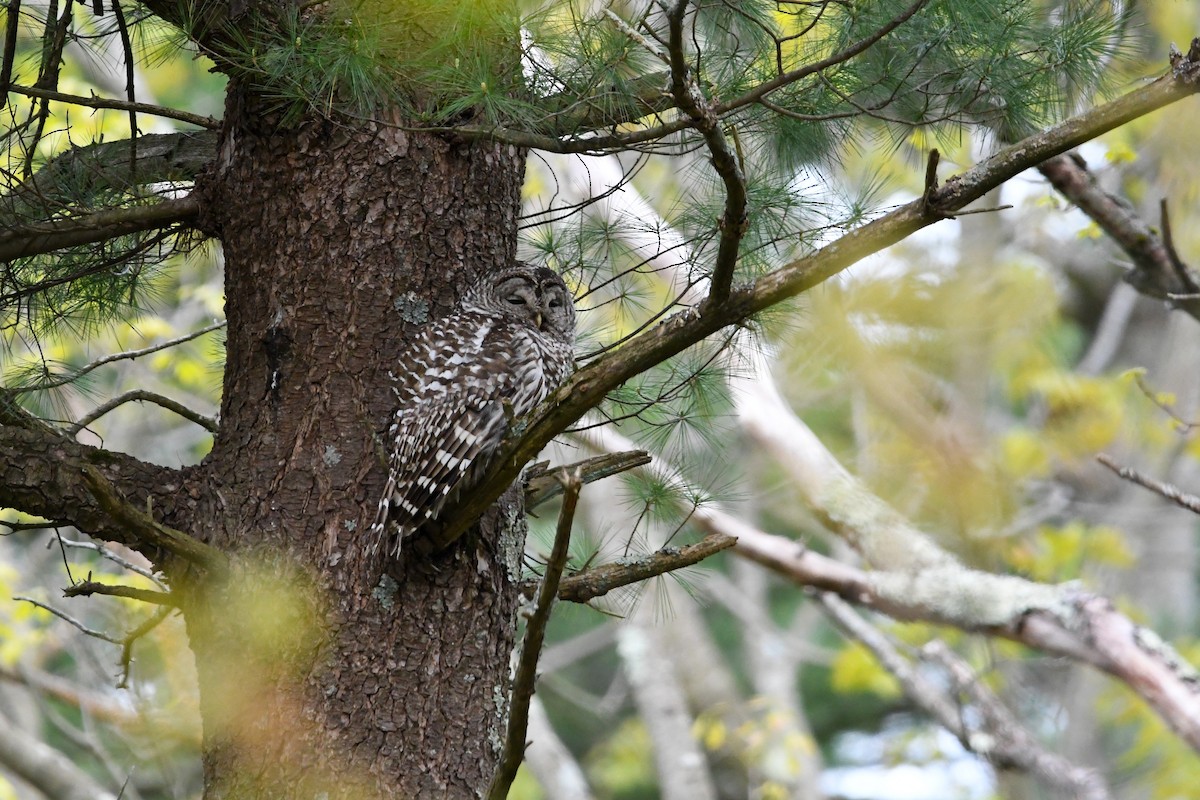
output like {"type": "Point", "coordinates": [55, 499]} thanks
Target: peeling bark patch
{"type": "Point", "coordinates": [331, 456]}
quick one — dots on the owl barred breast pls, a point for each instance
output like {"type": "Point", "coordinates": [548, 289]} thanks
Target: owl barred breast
{"type": "Point", "coordinates": [510, 341]}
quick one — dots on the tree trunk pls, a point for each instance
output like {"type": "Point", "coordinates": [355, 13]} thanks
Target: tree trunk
{"type": "Point", "coordinates": [319, 673]}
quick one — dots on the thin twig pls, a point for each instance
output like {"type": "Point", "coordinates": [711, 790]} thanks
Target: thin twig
{"type": "Point", "coordinates": [128, 354]}
{"type": "Point", "coordinates": [1180, 498]}
{"type": "Point", "coordinates": [842, 56]}
{"type": "Point", "coordinates": [208, 423]}
{"type": "Point", "coordinates": [127, 49]}
{"type": "Point", "coordinates": [105, 553]}
{"type": "Point", "coordinates": [535, 633]}
{"type": "Point", "coordinates": [69, 619]}
{"type": "Point", "coordinates": [1181, 424]}
{"type": "Point", "coordinates": [211, 123]}
{"type": "Point", "coordinates": [137, 633]}
{"type": "Point", "coordinates": [1182, 273]}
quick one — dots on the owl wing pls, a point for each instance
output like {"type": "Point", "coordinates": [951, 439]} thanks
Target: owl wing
{"type": "Point", "coordinates": [451, 418]}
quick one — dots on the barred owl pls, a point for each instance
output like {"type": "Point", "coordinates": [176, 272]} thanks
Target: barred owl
{"type": "Point", "coordinates": [509, 343]}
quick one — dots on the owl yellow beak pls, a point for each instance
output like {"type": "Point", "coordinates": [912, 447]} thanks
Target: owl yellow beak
{"type": "Point", "coordinates": [537, 320]}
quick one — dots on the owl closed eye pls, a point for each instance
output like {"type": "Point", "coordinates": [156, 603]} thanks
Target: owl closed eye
{"type": "Point", "coordinates": [510, 342]}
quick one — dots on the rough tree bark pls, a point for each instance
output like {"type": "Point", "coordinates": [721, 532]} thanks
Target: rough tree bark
{"type": "Point", "coordinates": [318, 673]}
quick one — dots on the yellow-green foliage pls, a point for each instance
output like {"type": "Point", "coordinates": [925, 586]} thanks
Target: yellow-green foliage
{"type": "Point", "coordinates": [623, 764]}
{"type": "Point", "coordinates": [855, 669]}
{"type": "Point", "coordinates": [1068, 552]}
{"type": "Point", "coordinates": [22, 625]}
{"type": "Point", "coordinates": [767, 742]}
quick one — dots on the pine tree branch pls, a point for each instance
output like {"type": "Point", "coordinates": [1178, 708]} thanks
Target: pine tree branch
{"type": "Point", "coordinates": [198, 120]}
{"type": "Point", "coordinates": [688, 97]}
{"type": "Point", "coordinates": [112, 357]}
{"type": "Point", "coordinates": [841, 57]}
{"type": "Point", "coordinates": [566, 134]}
{"type": "Point", "coordinates": [42, 473]}
{"type": "Point", "coordinates": [34, 239]}
{"type": "Point", "coordinates": [587, 387]}
{"type": "Point", "coordinates": [100, 167]}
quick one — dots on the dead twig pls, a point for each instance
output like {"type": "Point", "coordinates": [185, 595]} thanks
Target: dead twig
{"type": "Point", "coordinates": [1177, 496]}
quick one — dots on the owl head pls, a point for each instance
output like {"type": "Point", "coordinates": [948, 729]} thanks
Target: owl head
{"type": "Point", "coordinates": [533, 295]}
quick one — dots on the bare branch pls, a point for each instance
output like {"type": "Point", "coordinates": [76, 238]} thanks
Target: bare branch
{"type": "Point", "coordinates": [108, 554]}
{"type": "Point", "coordinates": [1055, 619]}
{"type": "Point", "coordinates": [995, 734]}
{"type": "Point", "coordinates": [1157, 271]}
{"type": "Point", "coordinates": [47, 769]}
{"type": "Point", "coordinates": [1180, 498]}
{"type": "Point", "coordinates": [208, 423]}
{"type": "Point", "coordinates": [89, 587]}
{"type": "Point", "coordinates": [95, 634]}
{"type": "Point", "coordinates": [531, 648]}
{"type": "Point", "coordinates": [551, 762]}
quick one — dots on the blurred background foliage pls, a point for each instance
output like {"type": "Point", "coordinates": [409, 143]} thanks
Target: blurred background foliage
{"type": "Point", "coordinates": [967, 375]}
